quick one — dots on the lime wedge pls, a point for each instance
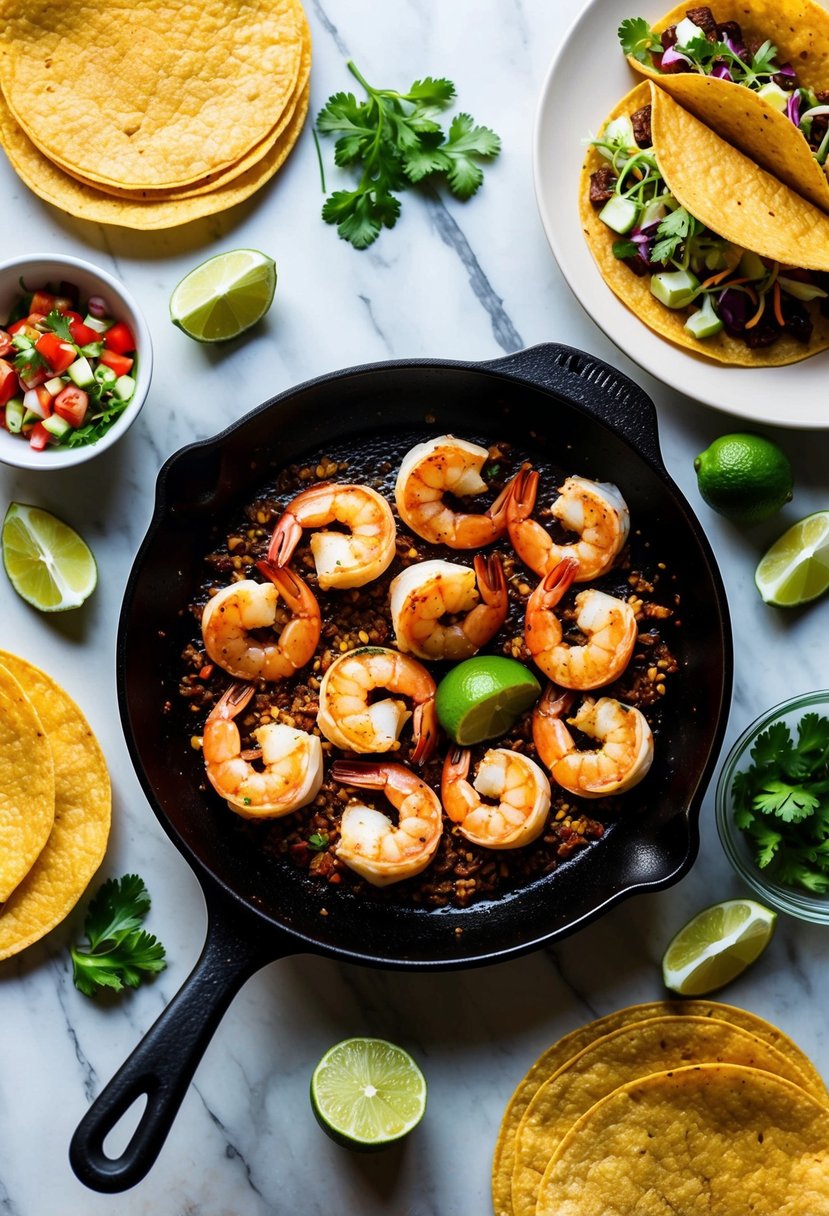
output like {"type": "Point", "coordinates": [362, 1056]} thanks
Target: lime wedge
{"type": "Point", "coordinates": [796, 567]}
{"type": "Point", "coordinates": [716, 945]}
{"type": "Point", "coordinates": [367, 1093]}
{"type": "Point", "coordinates": [483, 697]}
{"type": "Point", "coordinates": [224, 296]}
{"type": "Point", "coordinates": [48, 564]}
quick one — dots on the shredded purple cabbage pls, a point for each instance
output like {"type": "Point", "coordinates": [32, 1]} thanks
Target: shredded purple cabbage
{"type": "Point", "coordinates": [732, 307]}
{"type": "Point", "coordinates": [670, 56]}
{"type": "Point", "coordinates": [786, 69]}
{"type": "Point", "coordinates": [721, 72]}
{"type": "Point", "coordinates": [793, 108]}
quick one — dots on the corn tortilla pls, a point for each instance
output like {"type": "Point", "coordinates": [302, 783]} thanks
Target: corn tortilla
{"type": "Point", "coordinates": [571, 1044]}
{"type": "Point", "coordinates": [177, 92]}
{"type": "Point", "coordinates": [688, 168]}
{"type": "Point", "coordinates": [800, 31]}
{"type": "Point", "coordinates": [27, 785]}
{"type": "Point", "coordinates": [653, 1045]}
{"type": "Point", "coordinates": [709, 1139]}
{"type": "Point", "coordinates": [78, 839]}
{"type": "Point", "coordinates": [86, 202]}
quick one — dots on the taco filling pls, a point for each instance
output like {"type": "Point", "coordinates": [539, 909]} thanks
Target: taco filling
{"type": "Point", "coordinates": [699, 43]}
{"type": "Point", "coordinates": [716, 283]}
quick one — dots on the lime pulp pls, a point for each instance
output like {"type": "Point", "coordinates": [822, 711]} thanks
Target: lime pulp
{"type": "Point", "coordinates": [483, 697]}
{"type": "Point", "coordinates": [716, 945]}
{"type": "Point", "coordinates": [367, 1093]}
{"type": "Point", "coordinates": [795, 569]}
{"type": "Point", "coordinates": [224, 296]}
{"type": "Point", "coordinates": [47, 562]}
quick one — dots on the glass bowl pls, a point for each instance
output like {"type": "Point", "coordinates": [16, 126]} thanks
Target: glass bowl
{"type": "Point", "coordinates": [796, 902]}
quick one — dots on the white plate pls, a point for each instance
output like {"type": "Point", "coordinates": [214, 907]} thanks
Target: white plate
{"type": "Point", "coordinates": [588, 76]}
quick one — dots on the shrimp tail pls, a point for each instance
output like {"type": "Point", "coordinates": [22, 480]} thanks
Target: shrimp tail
{"type": "Point", "coordinates": [365, 774]}
{"type": "Point", "coordinates": [492, 582]}
{"type": "Point", "coordinates": [523, 492]}
{"type": "Point", "coordinates": [233, 700]}
{"type": "Point", "coordinates": [497, 512]}
{"type": "Point", "coordinates": [554, 586]}
{"type": "Point", "coordinates": [555, 702]}
{"type": "Point", "coordinates": [425, 731]}
{"type": "Point", "coordinates": [286, 536]}
{"type": "Point", "coordinates": [456, 764]}
{"type": "Point", "coordinates": [294, 591]}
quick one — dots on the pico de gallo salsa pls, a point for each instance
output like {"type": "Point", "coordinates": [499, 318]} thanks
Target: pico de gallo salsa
{"type": "Point", "coordinates": [66, 368]}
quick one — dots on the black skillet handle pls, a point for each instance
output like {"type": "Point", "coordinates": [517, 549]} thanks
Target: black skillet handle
{"type": "Point", "coordinates": [590, 382]}
{"type": "Point", "coordinates": [162, 1065]}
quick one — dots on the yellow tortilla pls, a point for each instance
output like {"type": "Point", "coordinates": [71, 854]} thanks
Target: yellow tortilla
{"type": "Point", "coordinates": [27, 785]}
{"type": "Point", "coordinates": [626, 1054]}
{"type": "Point", "coordinates": [78, 840]}
{"type": "Point", "coordinates": [800, 31]}
{"type": "Point", "coordinates": [720, 184]}
{"type": "Point", "coordinates": [148, 94]}
{"type": "Point", "coordinates": [571, 1044]}
{"type": "Point", "coordinates": [710, 1140]}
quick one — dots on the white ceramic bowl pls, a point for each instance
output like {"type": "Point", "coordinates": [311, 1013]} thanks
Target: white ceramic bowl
{"type": "Point", "coordinates": [38, 270]}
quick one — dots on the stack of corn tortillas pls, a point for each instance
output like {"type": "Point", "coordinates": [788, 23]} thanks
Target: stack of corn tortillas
{"type": "Point", "coordinates": [149, 115]}
{"type": "Point", "coordinates": [691, 1107]}
{"type": "Point", "coordinates": [55, 804]}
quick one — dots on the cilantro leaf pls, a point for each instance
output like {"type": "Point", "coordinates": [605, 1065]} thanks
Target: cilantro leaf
{"type": "Point", "coordinates": [394, 140]}
{"type": "Point", "coordinates": [59, 324]}
{"type": "Point", "coordinates": [638, 39]}
{"type": "Point", "coordinates": [791, 803]}
{"type": "Point", "coordinates": [767, 842]}
{"type": "Point", "coordinates": [119, 953]}
{"type": "Point", "coordinates": [771, 744]}
{"type": "Point", "coordinates": [675, 228]}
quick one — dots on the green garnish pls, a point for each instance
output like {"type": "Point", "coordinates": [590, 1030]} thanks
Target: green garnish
{"type": "Point", "coordinates": [59, 324]}
{"type": "Point", "coordinates": [394, 139]}
{"type": "Point", "coordinates": [318, 841]}
{"type": "Point", "coordinates": [28, 360]}
{"type": "Point", "coordinates": [782, 803]}
{"type": "Point", "coordinates": [120, 953]}
{"type": "Point", "coordinates": [676, 228]}
{"type": "Point", "coordinates": [704, 54]}
{"type": "Point", "coordinates": [639, 40]}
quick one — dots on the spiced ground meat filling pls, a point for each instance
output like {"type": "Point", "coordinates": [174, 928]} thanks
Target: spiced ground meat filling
{"type": "Point", "coordinates": [461, 872]}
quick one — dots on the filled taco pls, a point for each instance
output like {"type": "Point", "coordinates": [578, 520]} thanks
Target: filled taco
{"type": "Point", "coordinates": [706, 248]}
{"type": "Point", "coordinates": [756, 72]}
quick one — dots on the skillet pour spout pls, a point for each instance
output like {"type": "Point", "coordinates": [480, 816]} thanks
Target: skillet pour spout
{"type": "Point", "coordinates": [562, 405]}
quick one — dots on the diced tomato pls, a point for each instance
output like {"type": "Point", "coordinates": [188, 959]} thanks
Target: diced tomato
{"type": "Point", "coordinates": [39, 437]}
{"type": "Point", "coordinates": [8, 382]}
{"type": "Point", "coordinates": [119, 338]}
{"type": "Point", "coordinates": [120, 364]}
{"type": "Point", "coordinates": [23, 328]}
{"type": "Point", "coordinates": [71, 404]}
{"type": "Point", "coordinates": [6, 346]}
{"type": "Point", "coordinates": [82, 334]}
{"type": "Point", "coordinates": [35, 318]}
{"type": "Point", "coordinates": [39, 376]}
{"type": "Point", "coordinates": [38, 401]}
{"type": "Point", "coordinates": [3, 417]}
{"type": "Point", "coordinates": [57, 353]}
{"type": "Point", "coordinates": [42, 301]}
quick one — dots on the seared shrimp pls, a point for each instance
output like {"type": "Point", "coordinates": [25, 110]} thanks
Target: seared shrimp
{"type": "Point", "coordinates": [609, 625]}
{"type": "Point", "coordinates": [447, 465]}
{"type": "Point", "coordinates": [348, 718]}
{"type": "Point", "coordinates": [520, 790]}
{"type": "Point", "coordinates": [291, 773]}
{"type": "Point", "coordinates": [369, 842]}
{"type": "Point", "coordinates": [342, 559]}
{"type": "Point", "coordinates": [234, 612]}
{"type": "Point", "coordinates": [593, 509]}
{"type": "Point", "coordinates": [622, 759]}
{"type": "Point", "coordinates": [425, 593]}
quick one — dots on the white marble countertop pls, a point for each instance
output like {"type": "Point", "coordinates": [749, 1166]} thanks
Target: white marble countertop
{"type": "Point", "coordinates": [469, 282]}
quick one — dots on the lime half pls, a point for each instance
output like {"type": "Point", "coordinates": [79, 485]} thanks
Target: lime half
{"type": "Point", "coordinates": [48, 564]}
{"type": "Point", "coordinates": [796, 567]}
{"type": "Point", "coordinates": [716, 945]}
{"type": "Point", "coordinates": [224, 296]}
{"type": "Point", "coordinates": [483, 697]}
{"type": "Point", "coordinates": [367, 1093]}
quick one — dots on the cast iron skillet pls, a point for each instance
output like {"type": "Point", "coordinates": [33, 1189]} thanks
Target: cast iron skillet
{"type": "Point", "coordinates": [556, 401]}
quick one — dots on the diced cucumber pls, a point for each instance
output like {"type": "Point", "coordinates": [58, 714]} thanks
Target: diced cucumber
{"type": "Point", "coordinates": [801, 291]}
{"type": "Point", "coordinates": [704, 323]}
{"type": "Point", "coordinates": [619, 214]}
{"type": "Point", "coordinates": [751, 266]}
{"type": "Point", "coordinates": [30, 417]}
{"type": "Point", "coordinates": [105, 375]}
{"type": "Point", "coordinates": [674, 288]}
{"type": "Point", "coordinates": [95, 323]}
{"type": "Point", "coordinates": [81, 372]}
{"type": "Point", "coordinates": [14, 415]}
{"type": "Point", "coordinates": [56, 425]}
{"type": "Point", "coordinates": [123, 388]}
{"type": "Point", "coordinates": [651, 212]}
{"type": "Point", "coordinates": [54, 386]}
{"type": "Point", "coordinates": [620, 131]}
{"type": "Point", "coordinates": [93, 349]}
{"type": "Point", "coordinates": [774, 95]}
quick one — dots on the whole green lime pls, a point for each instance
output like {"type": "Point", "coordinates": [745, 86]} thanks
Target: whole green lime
{"type": "Point", "coordinates": [483, 697]}
{"type": "Point", "coordinates": [744, 477]}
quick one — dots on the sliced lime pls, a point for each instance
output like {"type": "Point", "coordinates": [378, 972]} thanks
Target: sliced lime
{"type": "Point", "coordinates": [367, 1093]}
{"type": "Point", "coordinates": [48, 564]}
{"type": "Point", "coordinates": [795, 569]}
{"type": "Point", "coordinates": [716, 945]}
{"type": "Point", "coordinates": [224, 296]}
{"type": "Point", "coordinates": [483, 697]}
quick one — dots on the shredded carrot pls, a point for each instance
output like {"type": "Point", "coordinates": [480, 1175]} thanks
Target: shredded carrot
{"type": "Point", "coordinates": [750, 324]}
{"type": "Point", "coordinates": [718, 277]}
{"type": "Point", "coordinates": [778, 310]}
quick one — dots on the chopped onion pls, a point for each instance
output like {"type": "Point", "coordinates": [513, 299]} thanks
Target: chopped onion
{"type": "Point", "coordinates": [97, 307]}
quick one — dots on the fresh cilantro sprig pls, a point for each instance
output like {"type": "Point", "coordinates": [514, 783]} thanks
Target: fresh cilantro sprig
{"type": "Point", "coordinates": [120, 953]}
{"type": "Point", "coordinates": [781, 802]}
{"type": "Point", "coordinates": [754, 73]}
{"type": "Point", "coordinates": [395, 140]}
{"type": "Point", "coordinates": [639, 40]}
